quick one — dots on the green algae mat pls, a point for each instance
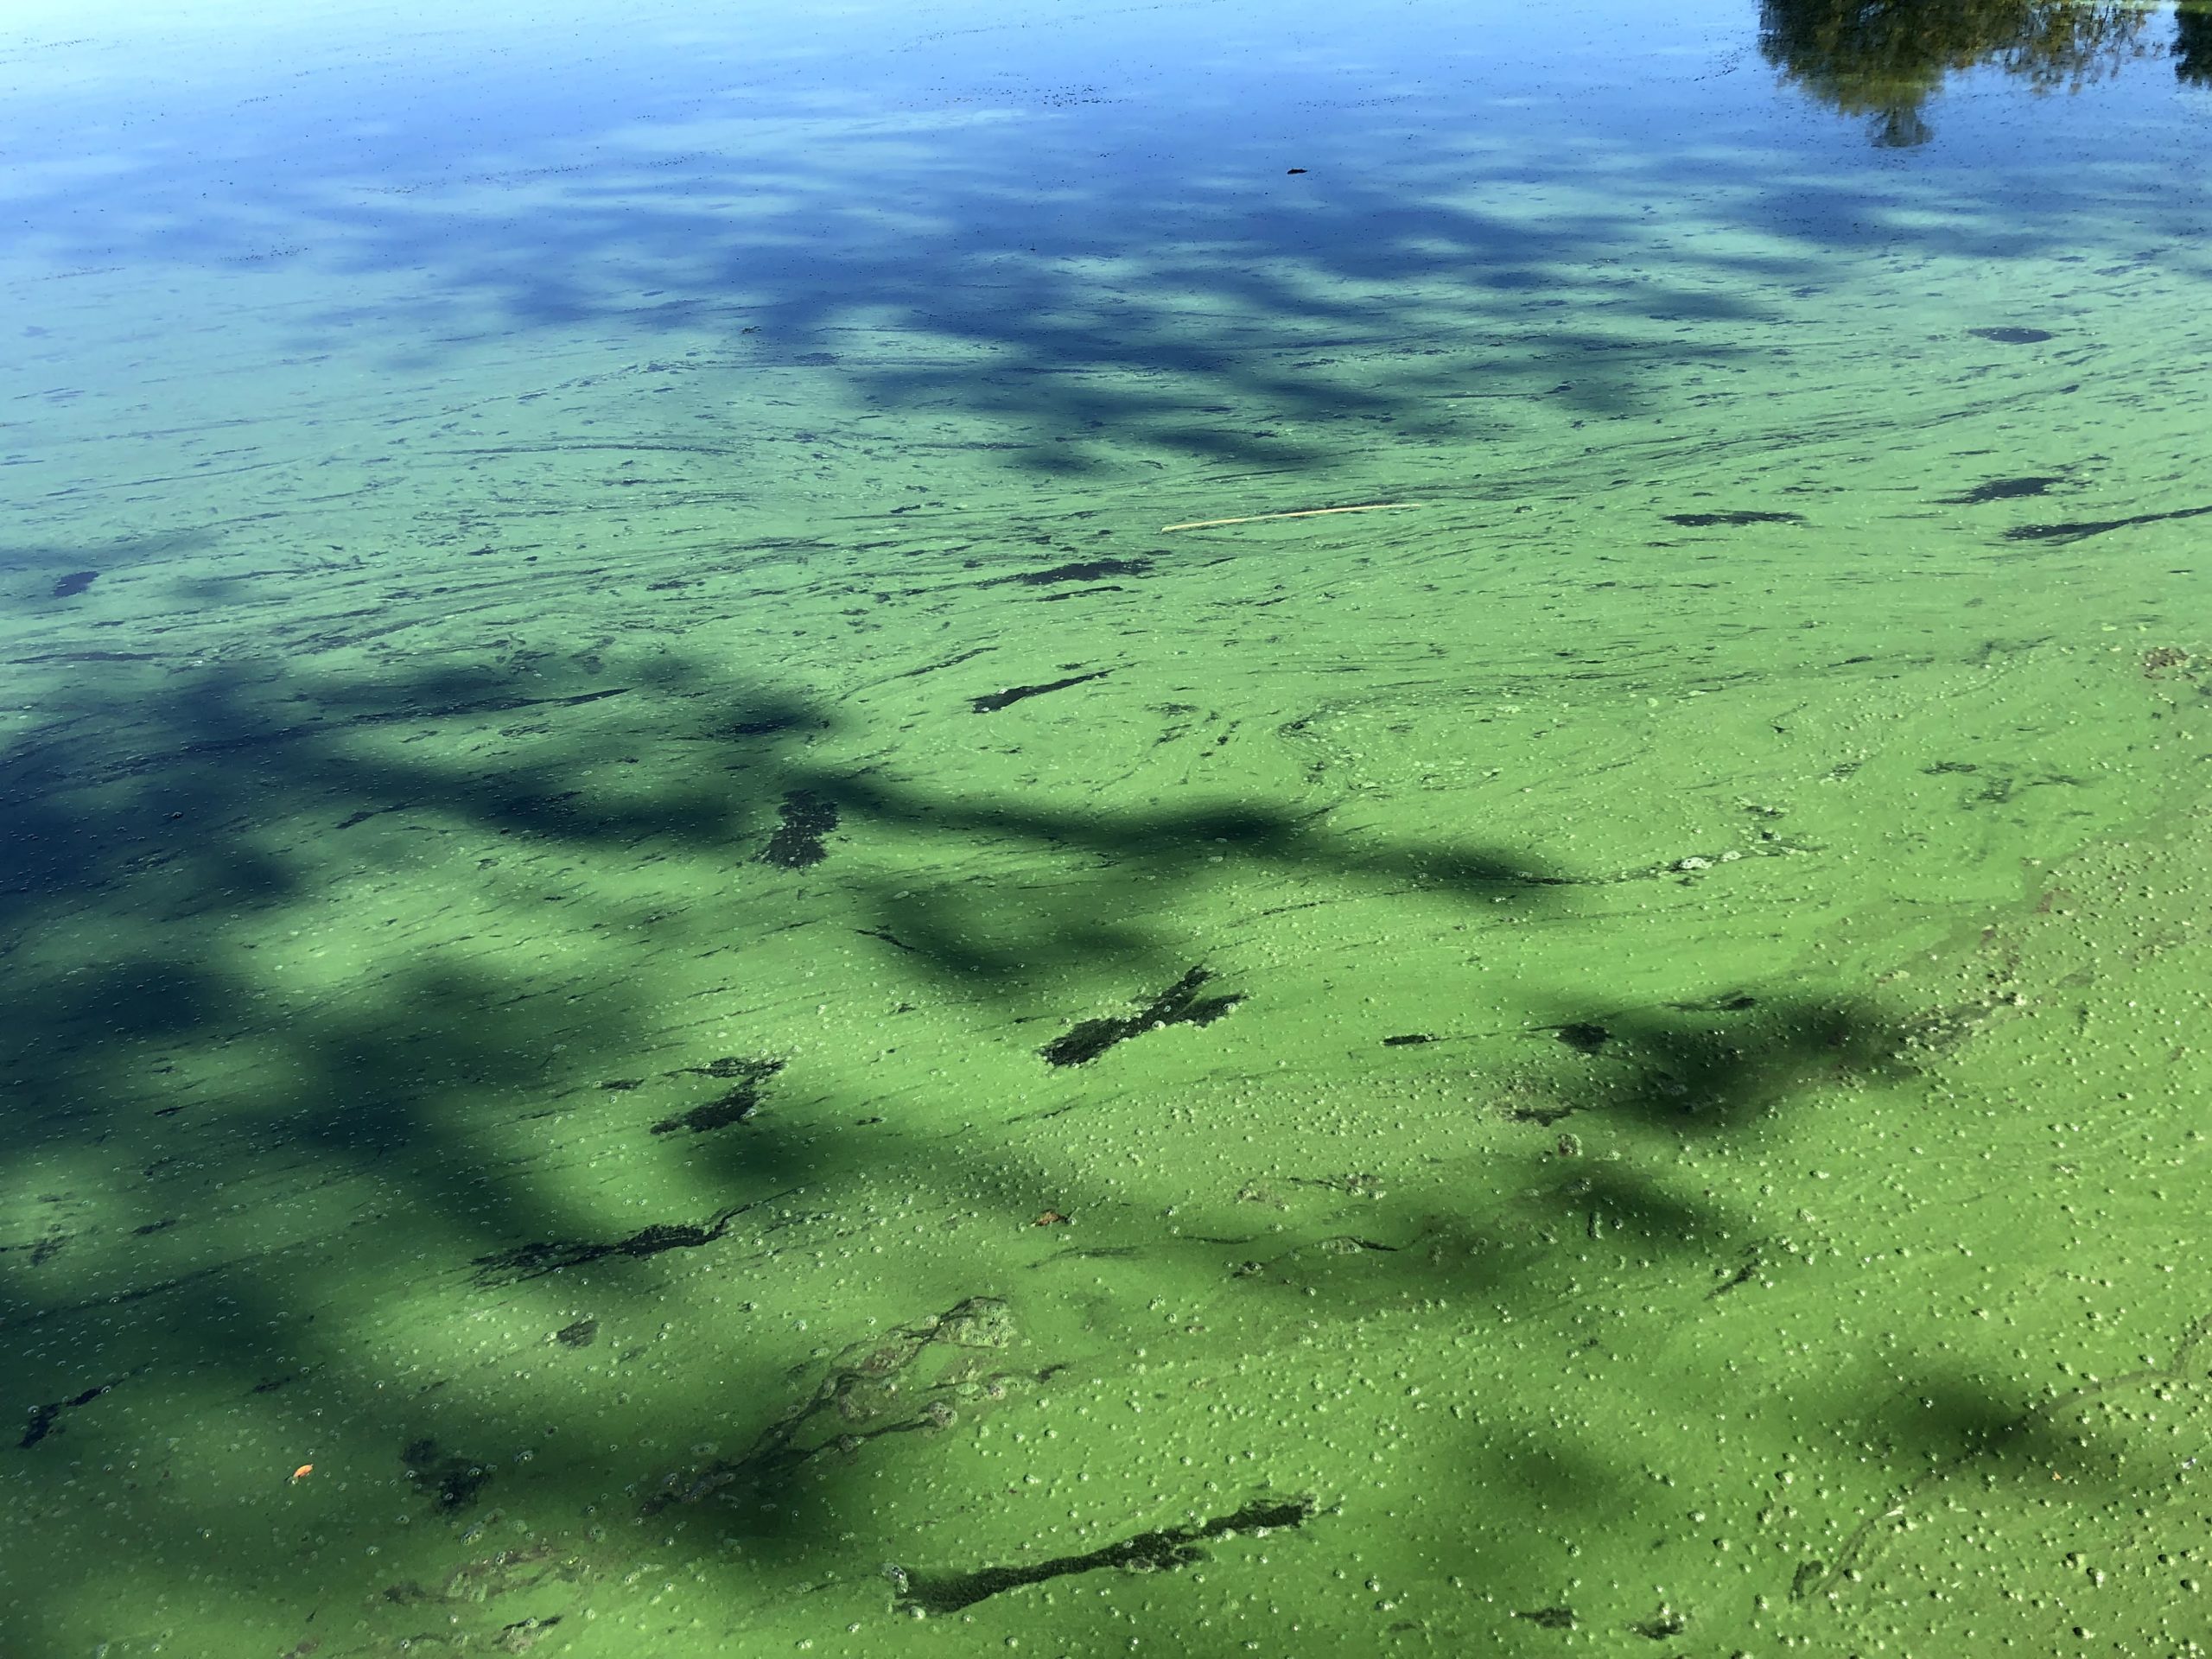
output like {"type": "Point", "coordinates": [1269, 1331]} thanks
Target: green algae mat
{"type": "Point", "coordinates": [735, 922]}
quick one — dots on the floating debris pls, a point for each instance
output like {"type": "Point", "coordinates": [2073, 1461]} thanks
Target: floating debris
{"type": "Point", "coordinates": [535, 1261]}
{"type": "Point", "coordinates": [2081, 529]}
{"type": "Point", "coordinates": [1665, 1624]}
{"type": "Point", "coordinates": [880, 1386]}
{"type": "Point", "coordinates": [807, 817]}
{"type": "Point", "coordinates": [1730, 520]}
{"type": "Point", "coordinates": [1179, 1005]}
{"type": "Point", "coordinates": [766, 725]}
{"type": "Point", "coordinates": [490, 1577]}
{"type": "Point", "coordinates": [1083, 570]}
{"type": "Point", "coordinates": [43, 1418]}
{"type": "Point", "coordinates": [454, 1482]}
{"type": "Point", "coordinates": [992, 701]}
{"type": "Point", "coordinates": [1583, 1036]}
{"type": "Point", "coordinates": [737, 1106]}
{"type": "Point", "coordinates": [939, 1593]}
{"type": "Point", "coordinates": [2001, 489]}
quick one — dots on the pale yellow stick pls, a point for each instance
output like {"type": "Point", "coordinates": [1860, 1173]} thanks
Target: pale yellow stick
{"type": "Point", "coordinates": [1310, 512]}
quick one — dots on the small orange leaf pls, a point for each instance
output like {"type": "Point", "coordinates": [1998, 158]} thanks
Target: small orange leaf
{"type": "Point", "coordinates": [303, 1472]}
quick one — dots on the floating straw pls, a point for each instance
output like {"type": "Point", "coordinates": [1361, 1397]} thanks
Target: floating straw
{"type": "Point", "coordinates": [1309, 512]}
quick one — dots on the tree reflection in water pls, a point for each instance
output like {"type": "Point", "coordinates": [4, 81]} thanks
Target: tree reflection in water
{"type": "Point", "coordinates": [1884, 59]}
{"type": "Point", "coordinates": [2193, 44]}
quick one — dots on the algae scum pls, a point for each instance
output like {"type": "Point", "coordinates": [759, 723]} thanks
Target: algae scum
{"type": "Point", "coordinates": [676, 985]}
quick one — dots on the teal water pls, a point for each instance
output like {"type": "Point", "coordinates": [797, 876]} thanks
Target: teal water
{"type": "Point", "coordinates": [656, 928]}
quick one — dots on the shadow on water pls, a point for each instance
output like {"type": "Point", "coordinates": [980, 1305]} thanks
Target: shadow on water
{"type": "Point", "coordinates": [1720, 1066]}
{"type": "Point", "coordinates": [211, 1170]}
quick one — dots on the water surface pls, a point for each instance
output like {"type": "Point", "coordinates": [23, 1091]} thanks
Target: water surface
{"type": "Point", "coordinates": [677, 984]}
